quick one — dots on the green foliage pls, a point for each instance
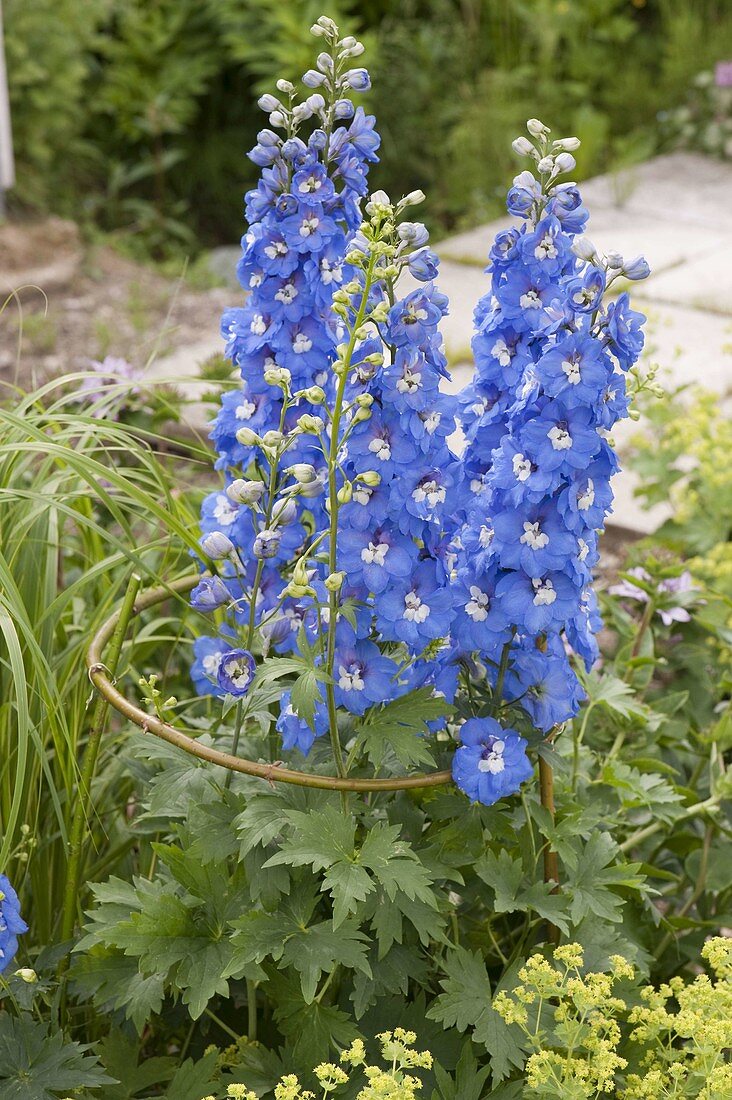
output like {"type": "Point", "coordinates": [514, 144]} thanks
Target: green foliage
{"type": "Point", "coordinates": [36, 1064]}
{"type": "Point", "coordinates": [144, 107]}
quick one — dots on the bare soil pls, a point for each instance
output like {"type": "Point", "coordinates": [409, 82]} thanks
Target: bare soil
{"type": "Point", "coordinates": [70, 303]}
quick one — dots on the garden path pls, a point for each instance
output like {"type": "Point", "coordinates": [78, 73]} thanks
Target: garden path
{"type": "Point", "coordinates": [676, 210]}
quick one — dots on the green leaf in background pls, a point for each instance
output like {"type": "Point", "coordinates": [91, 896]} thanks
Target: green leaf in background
{"type": "Point", "coordinates": [399, 729]}
{"type": "Point", "coordinates": [35, 1065]}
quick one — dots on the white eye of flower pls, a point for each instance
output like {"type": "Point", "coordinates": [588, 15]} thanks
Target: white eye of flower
{"type": "Point", "coordinates": [544, 592]}
{"type": "Point", "coordinates": [301, 343]}
{"type": "Point", "coordinates": [586, 499]}
{"type": "Point", "coordinates": [245, 411]}
{"type": "Point", "coordinates": [409, 383]}
{"type": "Point", "coordinates": [362, 494]}
{"type": "Point", "coordinates": [414, 610]}
{"type": "Point", "coordinates": [224, 511]}
{"type": "Point", "coordinates": [546, 249]}
{"type": "Point", "coordinates": [375, 554]}
{"type": "Point", "coordinates": [381, 448]}
{"type": "Point", "coordinates": [414, 313]}
{"type": "Point", "coordinates": [211, 663]}
{"type": "Point", "coordinates": [430, 491]}
{"type": "Point", "coordinates": [312, 183]}
{"type": "Point", "coordinates": [330, 273]}
{"type": "Point", "coordinates": [493, 762]}
{"type": "Point", "coordinates": [571, 368]}
{"type": "Point", "coordinates": [583, 550]}
{"type": "Point", "coordinates": [431, 422]}
{"type": "Point", "coordinates": [287, 293]}
{"type": "Point", "coordinates": [560, 438]}
{"type": "Point", "coordinates": [534, 537]}
{"type": "Point", "coordinates": [486, 536]}
{"type": "Point", "coordinates": [502, 352]}
{"type": "Point", "coordinates": [275, 249]}
{"type": "Point", "coordinates": [309, 225]}
{"type": "Point", "coordinates": [350, 678]}
{"type": "Point", "coordinates": [256, 280]}
{"type": "Point", "coordinates": [530, 300]}
{"type": "Point", "coordinates": [258, 325]}
{"type": "Point", "coordinates": [238, 672]}
{"type": "Point", "coordinates": [521, 468]}
{"type": "Point", "coordinates": [478, 604]}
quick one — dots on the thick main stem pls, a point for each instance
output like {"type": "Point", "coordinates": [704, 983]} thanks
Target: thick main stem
{"type": "Point", "coordinates": [88, 767]}
{"type": "Point", "coordinates": [551, 859]}
{"type": "Point", "coordinates": [333, 527]}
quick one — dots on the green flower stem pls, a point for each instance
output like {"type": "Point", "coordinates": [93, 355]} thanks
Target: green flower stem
{"type": "Point", "coordinates": [238, 716]}
{"type": "Point", "coordinates": [333, 528]}
{"type": "Point", "coordinates": [698, 808]}
{"type": "Point", "coordinates": [502, 669]}
{"type": "Point", "coordinates": [83, 793]}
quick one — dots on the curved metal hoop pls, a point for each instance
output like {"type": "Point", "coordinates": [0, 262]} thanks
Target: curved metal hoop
{"type": "Point", "coordinates": [273, 773]}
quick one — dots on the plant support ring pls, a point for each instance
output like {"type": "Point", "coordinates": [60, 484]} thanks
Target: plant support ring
{"type": "Point", "coordinates": [104, 683]}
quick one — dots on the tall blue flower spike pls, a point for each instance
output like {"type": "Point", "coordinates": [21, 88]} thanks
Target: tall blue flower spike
{"type": "Point", "coordinates": [12, 924]}
{"type": "Point", "coordinates": [551, 358]}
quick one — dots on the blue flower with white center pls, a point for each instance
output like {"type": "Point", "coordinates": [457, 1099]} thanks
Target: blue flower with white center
{"type": "Point", "coordinates": [236, 672]}
{"type": "Point", "coordinates": [416, 609]}
{"type": "Point", "coordinates": [533, 539]}
{"type": "Point", "coordinates": [375, 556]}
{"type": "Point", "coordinates": [381, 442]}
{"type": "Point", "coordinates": [12, 924]}
{"type": "Point", "coordinates": [480, 618]}
{"type": "Point", "coordinates": [204, 670]}
{"type": "Point", "coordinates": [536, 604]}
{"type": "Point", "coordinates": [412, 320]}
{"type": "Point", "coordinates": [623, 330]}
{"type": "Point", "coordinates": [295, 732]}
{"type": "Point", "coordinates": [491, 762]}
{"type": "Point", "coordinates": [524, 299]}
{"type": "Point", "coordinates": [561, 439]}
{"type": "Point", "coordinates": [574, 369]}
{"type": "Point", "coordinates": [585, 291]}
{"type": "Point", "coordinates": [363, 676]}
{"type": "Point", "coordinates": [545, 250]}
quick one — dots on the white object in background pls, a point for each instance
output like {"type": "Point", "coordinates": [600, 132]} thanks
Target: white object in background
{"type": "Point", "coordinates": [7, 167]}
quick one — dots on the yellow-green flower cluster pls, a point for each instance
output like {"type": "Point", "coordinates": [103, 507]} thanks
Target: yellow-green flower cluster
{"type": "Point", "coordinates": [677, 1042]}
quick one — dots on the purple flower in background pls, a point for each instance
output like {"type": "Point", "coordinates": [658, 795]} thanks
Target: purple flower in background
{"type": "Point", "coordinates": [12, 924]}
{"type": "Point", "coordinates": [665, 591]}
{"type": "Point", "coordinates": [723, 74]}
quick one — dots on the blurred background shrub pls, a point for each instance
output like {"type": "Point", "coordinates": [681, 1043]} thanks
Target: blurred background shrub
{"type": "Point", "coordinates": [134, 116]}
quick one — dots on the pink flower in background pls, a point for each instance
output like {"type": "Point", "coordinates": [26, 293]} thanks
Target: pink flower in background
{"type": "Point", "coordinates": [723, 74]}
{"type": "Point", "coordinates": [110, 370]}
{"type": "Point", "coordinates": [681, 584]}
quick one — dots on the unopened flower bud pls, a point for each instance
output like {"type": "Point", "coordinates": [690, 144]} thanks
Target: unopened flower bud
{"type": "Point", "coordinates": [376, 359]}
{"type": "Point", "coordinates": [584, 248]}
{"type": "Point", "coordinates": [523, 147]}
{"type": "Point", "coordinates": [285, 86]}
{"type": "Point", "coordinates": [315, 102]}
{"type": "Point", "coordinates": [278, 118]}
{"type": "Point", "coordinates": [245, 492]}
{"type": "Point", "coordinates": [26, 975]}
{"type": "Point", "coordinates": [271, 439]}
{"type": "Point", "coordinates": [301, 112]}
{"type": "Point", "coordinates": [314, 394]}
{"type": "Point", "coordinates": [217, 545]}
{"type": "Point", "coordinates": [614, 261]}
{"type": "Point", "coordinates": [302, 472]}
{"type": "Point", "coordinates": [370, 478]}
{"type": "Point", "coordinates": [334, 581]}
{"type": "Point", "coordinates": [565, 162]}
{"type": "Point", "coordinates": [345, 493]}
{"type": "Point", "coordinates": [365, 400]}
{"type": "Point", "coordinates": [284, 512]}
{"type": "Point", "coordinates": [537, 128]}
{"type": "Point", "coordinates": [312, 425]}
{"type": "Point", "coordinates": [546, 164]}
{"type": "Point", "coordinates": [361, 415]}
{"type": "Point", "coordinates": [352, 51]}
{"type": "Point", "coordinates": [277, 376]}
{"type": "Point", "coordinates": [298, 591]}
{"type": "Point", "coordinates": [313, 79]}
{"type": "Point", "coordinates": [378, 203]}
{"type": "Point", "coordinates": [247, 437]}
{"type": "Point", "coordinates": [357, 79]}
{"type": "Point", "coordinates": [568, 144]}
{"type": "Point", "coordinates": [312, 488]}
{"type": "Point", "coordinates": [414, 233]}
{"type": "Point", "coordinates": [637, 268]}
{"type": "Point", "coordinates": [414, 198]}
{"type": "Point", "coordinates": [268, 103]}
{"type": "Point", "coordinates": [266, 543]}
{"type": "Point", "coordinates": [348, 42]}
{"type": "Point", "coordinates": [327, 26]}
{"type": "Point", "coordinates": [324, 62]}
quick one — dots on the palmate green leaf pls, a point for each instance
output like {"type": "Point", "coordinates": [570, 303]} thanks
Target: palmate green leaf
{"type": "Point", "coordinates": [121, 1058]}
{"type": "Point", "coordinates": [194, 1080]}
{"type": "Point", "coordinates": [36, 1066]}
{"type": "Point", "coordinates": [115, 983]}
{"type": "Point", "coordinates": [635, 788]}
{"type": "Point", "coordinates": [313, 1030]}
{"type": "Point", "coordinates": [621, 698]}
{"type": "Point", "coordinates": [469, 1080]}
{"type": "Point", "coordinates": [466, 1003]}
{"type": "Point", "coordinates": [399, 728]}
{"type": "Point", "coordinates": [288, 938]}
{"type": "Point", "coordinates": [305, 690]}
{"type": "Point", "coordinates": [591, 880]}
{"type": "Point", "coordinates": [514, 892]}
